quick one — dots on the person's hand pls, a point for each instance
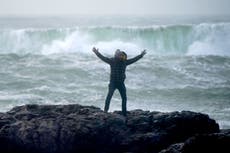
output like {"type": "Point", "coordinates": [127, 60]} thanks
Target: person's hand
{"type": "Point", "coordinates": [143, 52]}
{"type": "Point", "coordinates": [95, 50]}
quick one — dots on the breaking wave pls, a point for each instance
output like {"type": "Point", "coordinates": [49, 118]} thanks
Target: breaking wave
{"type": "Point", "coordinates": [190, 39]}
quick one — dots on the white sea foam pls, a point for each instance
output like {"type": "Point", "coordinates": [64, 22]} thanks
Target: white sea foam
{"type": "Point", "coordinates": [224, 124]}
{"type": "Point", "coordinates": [211, 39]}
{"type": "Point", "coordinates": [75, 42]}
{"type": "Point", "coordinates": [190, 39]}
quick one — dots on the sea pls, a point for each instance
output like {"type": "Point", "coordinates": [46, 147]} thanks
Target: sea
{"type": "Point", "coordinates": [49, 60]}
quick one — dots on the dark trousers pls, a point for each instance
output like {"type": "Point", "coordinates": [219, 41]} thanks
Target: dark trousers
{"type": "Point", "coordinates": [122, 90]}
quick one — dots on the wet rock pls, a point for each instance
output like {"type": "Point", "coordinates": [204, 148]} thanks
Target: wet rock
{"type": "Point", "coordinates": [76, 128]}
{"type": "Point", "coordinates": [212, 143]}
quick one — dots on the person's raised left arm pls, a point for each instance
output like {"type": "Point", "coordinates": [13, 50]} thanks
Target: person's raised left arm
{"type": "Point", "coordinates": [103, 58]}
{"type": "Point", "coordinates": [133, 60]}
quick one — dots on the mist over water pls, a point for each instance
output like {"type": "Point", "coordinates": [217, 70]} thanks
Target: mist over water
{"type": "Point", "coordinates": [49, 61]}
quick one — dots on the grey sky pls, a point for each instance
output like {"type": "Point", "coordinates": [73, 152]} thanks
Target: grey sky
{"type": "Point", "coordinates": [155, 7]}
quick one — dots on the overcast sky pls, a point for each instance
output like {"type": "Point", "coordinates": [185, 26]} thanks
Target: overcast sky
{"type": "Point", "coordinates": [154, 7]}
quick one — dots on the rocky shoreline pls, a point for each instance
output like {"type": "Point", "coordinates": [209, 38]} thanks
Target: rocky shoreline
{"type": "Point", "coordinates": [87, 129]}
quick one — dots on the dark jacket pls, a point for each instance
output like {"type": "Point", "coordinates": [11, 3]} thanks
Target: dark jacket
{"type": "Point", "coordinates": [118, 67]}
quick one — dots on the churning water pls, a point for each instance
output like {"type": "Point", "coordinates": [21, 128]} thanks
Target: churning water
{"type": "Point", "coordinates": [49, 61]}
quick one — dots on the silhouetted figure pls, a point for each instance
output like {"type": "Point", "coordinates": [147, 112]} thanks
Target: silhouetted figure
{"type": "Point", "coordinates": [117, 75]}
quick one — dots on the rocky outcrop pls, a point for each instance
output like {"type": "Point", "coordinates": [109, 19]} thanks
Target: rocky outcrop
{"type": "Point", "coordinates": [211, 143]}
{"type": "Point", "coordinates": [81, 129]}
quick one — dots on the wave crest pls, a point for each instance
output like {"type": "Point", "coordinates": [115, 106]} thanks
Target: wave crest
{"type": "Point", "coordinates": [201, 39]}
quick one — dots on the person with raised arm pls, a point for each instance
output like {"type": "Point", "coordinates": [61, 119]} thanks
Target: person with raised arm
{"type": "Point", "coordinates": [118, 65]}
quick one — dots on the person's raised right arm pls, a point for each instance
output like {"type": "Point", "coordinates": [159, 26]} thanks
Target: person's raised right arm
{"type": "Point", "coordinates": [103, 58]}
{"type": "Point", "coordinates": [132, 60]}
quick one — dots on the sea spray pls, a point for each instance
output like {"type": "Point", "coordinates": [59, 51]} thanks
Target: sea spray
{"type": "Point", "coordinates": [201, 39]}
